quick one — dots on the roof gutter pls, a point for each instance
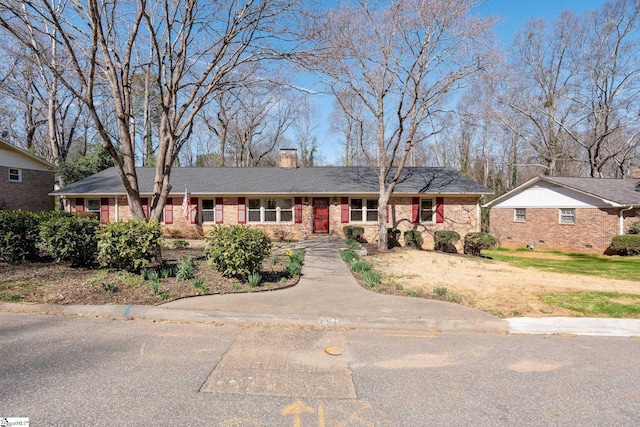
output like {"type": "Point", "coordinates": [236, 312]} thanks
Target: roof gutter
{"type": "Point", "coordinates": [621, 217]}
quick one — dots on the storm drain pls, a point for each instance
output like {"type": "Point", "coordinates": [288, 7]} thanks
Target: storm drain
{"type": "Point", "coordinates": [284, 362]}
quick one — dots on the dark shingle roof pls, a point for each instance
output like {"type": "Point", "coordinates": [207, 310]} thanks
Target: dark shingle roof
{"type": "Point", "coordinates": [312, 180]}
{"type": "Point", "coordinates": [621, 191]}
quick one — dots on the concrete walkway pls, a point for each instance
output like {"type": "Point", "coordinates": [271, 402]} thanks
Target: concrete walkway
{"type": "Point", "coordinates": [327, 294]}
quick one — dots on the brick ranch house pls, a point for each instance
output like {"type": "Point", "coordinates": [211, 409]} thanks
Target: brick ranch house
{"type": "Point", "coordinates": [568, 214]}
{"type": "Point", "coordinates": [25, 180]}
{"type": "Point", "coordinates": [289, 202]}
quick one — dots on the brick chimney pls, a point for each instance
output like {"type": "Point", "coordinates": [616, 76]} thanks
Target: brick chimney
{"type": "Point", "coordinates": [288, 158]}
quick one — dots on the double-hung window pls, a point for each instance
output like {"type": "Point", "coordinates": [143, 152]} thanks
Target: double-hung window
{"type": "Point", "coordinates": [520, 215]}
{"type": "Point", "coordinates": [270, 210]}
{"type": "Point", "coordinates": [426, 210]}
{"type": "Point", "coordinates": [363, 210]}
{"type": "Point", "coordinates": [208, 210]}
{"type": "Point", "coordinates": [15, 175]}
{"type": "Point", "coordinates": [567, 216]}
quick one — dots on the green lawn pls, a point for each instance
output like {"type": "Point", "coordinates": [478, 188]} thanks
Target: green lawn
{"type": "Point", "coordinates": [625, 268]}
{"type": "Point", "coordinates": [611, 304]}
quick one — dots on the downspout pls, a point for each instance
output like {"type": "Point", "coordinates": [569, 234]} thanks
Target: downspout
{"type": "Point", "coordinates": [621, 232]}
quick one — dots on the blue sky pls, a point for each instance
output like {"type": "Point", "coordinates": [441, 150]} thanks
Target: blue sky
{"type": "Point", "coordinates": [515, 13]}
{"type": "Point", "coordinates": [512, 14]}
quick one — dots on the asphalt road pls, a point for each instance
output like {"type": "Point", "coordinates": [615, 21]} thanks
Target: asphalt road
{"type": "Point", "coordinates": [61, 371]}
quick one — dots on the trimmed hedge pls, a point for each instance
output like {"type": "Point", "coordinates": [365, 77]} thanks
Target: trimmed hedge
{"type": "Point", "coordinates": [237, 250]}
{"type": "Point", "coordinates": [353, 233]}
{"type": "Point", "coordinates": [475, 242]}
{"type": "Point", "coordinates": [129, 245]}
{"type": "Point", "coordinates": [444, 241]}
{"type": "Point", "coordinates": [634, 228]}
{"type": "Point", "coordinates": [70, 238]}
{"type": "Point", "coordinates": [19, 236]}
{"type": "Point", "coordinates": [413, 239]}
{"type": "Point", "coordinates": [626, 244]}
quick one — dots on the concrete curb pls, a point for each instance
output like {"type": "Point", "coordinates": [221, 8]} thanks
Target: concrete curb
{"type": "Point", "coordinates": [143, 312]}
{"type": "Point", "coordinates": [575, 326]}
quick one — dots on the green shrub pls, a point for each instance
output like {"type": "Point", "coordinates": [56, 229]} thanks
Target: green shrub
{"type": "Point", "coordinates": [626, 244]}
{"type": "Point", "coordinates": [254, 280]}
{"type": "Point", "coordinates": [128, 245]}
{"type": "Point", "coordinates": [237, 251]}
{"type": "Point", "coordinates": [187, 260]}
{"type": "Point", "coordinates": [360, 266]}
{"type": "Point", "coordinates": [70, 238]}
{"type": "Point", "coordinates": [19, 236]}
{"type": "Point", "coordinates": [475, 242]}
{"type": "Point", "coordinates": [444, 241]}
{"type": "Point", "coordinates": [393, 238]}
{"type": "Point", "coordinates": [413, 239]}
{"type": "Point", "coordinates": [440, 291]}
{"type": "Point", "coordinates": [349, 256]}
{"type": "Point", "coordinates": [293, 268]}
{"type": "Point", "coordinates": [297, 256]}
{"type": "Point", "coordinates": [353, 233]}
{"type": "Point", "coordinates": [371, 278]}
{"type": "Point", "coordinates": [154, 284]}
{"type": "Point", "coordinates": [634, 228]}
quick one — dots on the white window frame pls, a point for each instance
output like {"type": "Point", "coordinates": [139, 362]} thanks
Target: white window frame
{"type": "Point", "coordinates": [87, 206]}
{"type": "Point", "coordinates": [280, 210]}
{"type": "Point", "coordinates": [519, 216]}
{"type": "Point", "coordinates": [432, 210]}
{"type": "Point", "coordinates": [365, 210]}
{"type": "Point", "coordinates": [15, 175]}
{"type": "Point", "coordinates": [568, 217]}
{"type": "Point", "coordinates": [212, 210]}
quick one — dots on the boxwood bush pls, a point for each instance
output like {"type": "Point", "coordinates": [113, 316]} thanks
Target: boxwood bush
{"type": "Point", "coordinates": [444, 241]}
{"type": "Point", "coordinates": [413, 239]}
{"type": "Point", "coordinates": [634, 228]}
{"type": "Point", "coordinates": [70, 238]}
{"type": "Point", "coordinates": [626, 244]}
{"type": "Point", "coordinates": [129, 245]}
{"type": "Point", "coordinates": [393, 238]}
{"type": "Point", "coordinates": [475, 242]}
{"type": "Point", "coordinates": [354, 233]}
{"type": "Point", "coordinates": [237, 250]}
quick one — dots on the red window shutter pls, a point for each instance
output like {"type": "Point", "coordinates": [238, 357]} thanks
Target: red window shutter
{"type": "Point", "coordinates": [168, 211]}
{"type": "Point", "coordinates": [145, 206]}
{"type": "Point", "coordinates": [79, 204]}
{"type": "Point", "coordinates": [298, 210]}
{"type": "Point", "coordinates": [193, 213]}
{"type": "Point", "coordinates": [104, 210]}
{"type": "Point", "coordinates": [242, 210]}
{"type": "Point", "coordinates": [344, 210]}
{"type": "Point", "coordinates": [415, 210]}
{"type": "Point", "coordinates": [439, 210]}
{"type": "Point", "coordinates": [219, 208]}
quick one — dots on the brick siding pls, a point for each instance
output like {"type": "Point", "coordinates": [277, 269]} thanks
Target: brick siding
{"type": "Point", "coordinates": [31, 194]}
{"type": "Point", "coordinates": [592, 232]}
{"type": "Point", "coordinates": [459, 215]}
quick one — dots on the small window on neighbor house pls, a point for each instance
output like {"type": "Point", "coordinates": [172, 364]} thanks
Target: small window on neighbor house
{"type": "Point", "coordinates": [520, 215]}
{"type": "Point", "coordinates": [426, 210]}
{"type": "Point", "coordinates": [15, 175]}
{"type": "Point", "coordinates": [93, 205]}
{"type": "Point", "coordinates": [208, 210]}
{"type": "Point", "coordinates": [567, 216]}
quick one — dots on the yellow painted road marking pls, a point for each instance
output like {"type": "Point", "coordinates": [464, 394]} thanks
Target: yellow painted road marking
{"type": "Point", "coordinates": [296, 409]}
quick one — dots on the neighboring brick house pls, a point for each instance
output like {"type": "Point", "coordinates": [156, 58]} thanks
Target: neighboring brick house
{"type": "Point", "coordinates": [290, 202]}
{"type": "Point", "coordinates": [25, 180]}
{"type": "Point", "coordinates": [568, 214]}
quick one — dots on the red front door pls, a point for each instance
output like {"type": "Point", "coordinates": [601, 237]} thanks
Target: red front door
{"type": "Point", "coordinates": [321, 215]}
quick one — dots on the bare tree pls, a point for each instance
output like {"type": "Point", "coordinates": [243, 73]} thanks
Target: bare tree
{"type": "Point", "coordinates": [607, 95]}
{"type": "Point", "coordinates": [196, 46]}
{"type": "Point", "coordinates": [401, 60]}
